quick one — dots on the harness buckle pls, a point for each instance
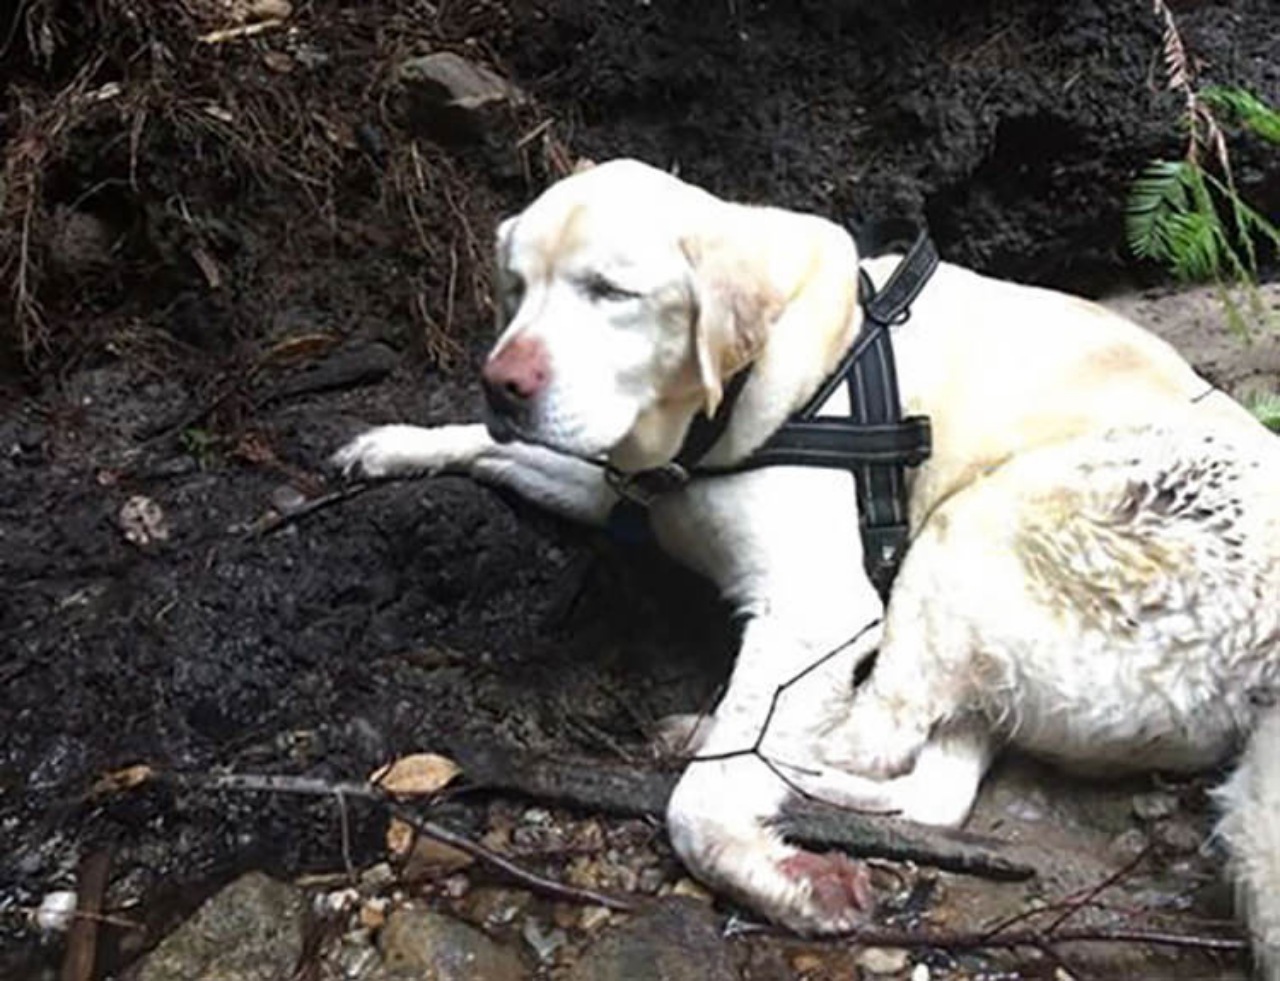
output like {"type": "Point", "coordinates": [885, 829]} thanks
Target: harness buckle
{"type": "Point", "coordinates": [645, 486]}
{"type": "Point", "coordinates": [883, 549]}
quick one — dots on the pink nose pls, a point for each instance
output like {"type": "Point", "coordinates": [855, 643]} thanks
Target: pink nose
{"type": "Point", "coordinates": [515, 374]}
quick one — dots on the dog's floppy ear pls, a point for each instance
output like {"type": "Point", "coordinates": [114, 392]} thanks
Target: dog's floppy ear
{"type": "Point", "coordinates": [731, 308]}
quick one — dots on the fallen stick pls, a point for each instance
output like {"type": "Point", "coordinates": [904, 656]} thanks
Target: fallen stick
{"type": "Point", "coordinates": [82, 942]}
{"type": "Point", "coordinates": [594, 785]}
{"type": "Point", "coordinates": [315, 787]}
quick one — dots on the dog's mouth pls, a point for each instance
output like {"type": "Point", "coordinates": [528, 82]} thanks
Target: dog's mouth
{"type": "Point", "coordinates": [503, 429]}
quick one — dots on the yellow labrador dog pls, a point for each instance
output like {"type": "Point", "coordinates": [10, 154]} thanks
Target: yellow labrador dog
{"type": "Point", "coordinates": [1094, 565]}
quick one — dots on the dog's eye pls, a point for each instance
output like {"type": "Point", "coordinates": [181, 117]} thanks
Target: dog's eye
{"type": "Point", "coordinates": [597, 287]}
{"type": "Point", "coordinates": [511, 293]}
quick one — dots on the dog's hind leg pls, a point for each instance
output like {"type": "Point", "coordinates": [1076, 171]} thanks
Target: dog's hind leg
{"type": "Point", "coordinates": [564, 485]}
{"type": "Point", "coordinates": [1250, 826]}
{"type": "Point", "coordinates": [939, 789]}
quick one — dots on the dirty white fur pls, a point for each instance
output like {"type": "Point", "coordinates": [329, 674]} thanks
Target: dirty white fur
{"type": "Point", "coordinates": [1095, 553]}
{"type": "Point", "coordinates": [1251, 829]}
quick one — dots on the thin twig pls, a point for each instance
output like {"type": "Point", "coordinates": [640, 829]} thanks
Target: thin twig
{"type": "Point", "coordinates": [306, 509]}
{"type": "Point", "coordinates": [1073, 903]}
{"type": "Point", "coordinates": [978, 940]}
{"type": "Point", "coordinates": [312, 786]}
{"type": "Point", "coordinates": [1078, 901]}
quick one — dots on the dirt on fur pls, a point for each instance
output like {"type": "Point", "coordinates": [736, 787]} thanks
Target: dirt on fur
{"type": "Point", "coordinates": [224, 255]}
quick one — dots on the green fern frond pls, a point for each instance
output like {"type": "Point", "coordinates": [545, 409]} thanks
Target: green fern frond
{"type": "Point", "coordinates": [1266, 408]}
{"type": "Point", "coordinates": [1246, 109]}
{"type": "Point", "coordinates": [1159, 192]}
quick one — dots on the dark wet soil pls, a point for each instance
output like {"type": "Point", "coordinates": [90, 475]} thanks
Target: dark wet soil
{"type": "Point", "coordinates": [348, 288]}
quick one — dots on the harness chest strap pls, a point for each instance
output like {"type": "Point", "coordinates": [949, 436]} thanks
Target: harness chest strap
{"type": "Point", "coordinates": [875, 443]}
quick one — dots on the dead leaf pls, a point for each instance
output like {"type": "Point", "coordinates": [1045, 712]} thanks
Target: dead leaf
{"type": "Point", "coordinates": [416, 775]}
{"type": "Point", "coordinates": [118, 781]}
{"type": "Point", "coordinates": [300, 346]}
{"type": "Point", "coordinates": [400, 835]}
{"type": "Point", "coordinates": [253, 447]}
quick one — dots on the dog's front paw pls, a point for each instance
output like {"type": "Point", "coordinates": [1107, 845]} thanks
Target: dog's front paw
{"type": "Point", "coordinates": [719, 818]}
{"type": "Point", "coordinates": [396, 451]}
{"type": "Point", "coordinates": [836, 891]}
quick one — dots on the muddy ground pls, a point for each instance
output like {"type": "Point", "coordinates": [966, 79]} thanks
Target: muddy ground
{"type": "Point", "coordinates": [253, 248]}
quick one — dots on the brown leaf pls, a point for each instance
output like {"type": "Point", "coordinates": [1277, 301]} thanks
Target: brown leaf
{"type": "Point", "coordinates": [118, 781]}
{"type": "Point", "coordinates": [416, 775]}
{"type": "Point", "coordinates": [400, 837]}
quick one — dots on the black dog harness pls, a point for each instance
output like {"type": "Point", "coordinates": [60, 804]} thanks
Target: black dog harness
{"type": "Point", "coordinates": [875, 442]}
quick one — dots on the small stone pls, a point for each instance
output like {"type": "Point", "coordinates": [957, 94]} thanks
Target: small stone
{"type": "Point", "coordinates": [1128, 845]}
{"type": "Point", "coordinates": [544, 943]}
{"type": "Point", "coordinates": [269, 10]}
{"type": "Point", "coordinates": [1178, 837]}
{"type": "Point", "coordinates": [377, 877]}
{"type": "Point", "coordinates": [286, 499]}
{"type": "Point", "coordinates": [373, 913]}
{"type": "Point", "coordinates": [883, 960]}
{"type": "Point", "coordinates": [806, 963]}
{"type": "Point", "coordinates": [456, 886]}
{"type": "Point", "coordinates": [1154, 806]}
{"type": "Point", "coordinates": [278, 62]}
{"type": "Point", "coordinates": [920, 972]}
{"type": "Point", "coordinates": [56, 911]}
{"type": "Point", "coordinates": [687, 887]}
{"type": "Point", "coordinates": [650, 880]}
{"type": "Point", "coordinates": [338, 901]}
{"type": "Point", "coordinates": [429, 946]}
{"type": "Point", "coordinates": [594, 917]}
{"type": "Point", "coordinates": [490, 906]}
{"type": "Point", "coordinates": [452, 80]}
{"type": "Point", "coordinates": [566, 915]}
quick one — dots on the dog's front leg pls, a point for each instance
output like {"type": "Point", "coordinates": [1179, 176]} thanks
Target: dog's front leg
{"type": "Point", "coordinates": [562, 484]}
{"type": "Point", "coordinates": [759, 751]}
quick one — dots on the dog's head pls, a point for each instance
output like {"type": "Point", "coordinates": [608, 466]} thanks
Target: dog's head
{"type": "Point", "coordinates": [627, 298]}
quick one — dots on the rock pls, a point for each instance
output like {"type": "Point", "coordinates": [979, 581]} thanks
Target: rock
{"type": "Point", "coordinates": [449, 96]}
{"type": "Point", "coordinates": [883, 960]}
{"type": "Point", "coordinates": [1129, 844]}
{"type": "Point", "coordinates": [56, 911]}
{"type": "Point", "coordinates": [1178, 837]}
{"type": "Point", "coordinates": [543, 941]}
{"type": "Point", "coordinates": [423, 945]}
{"type": "Point", "coordinates": [251, 931]}
{"type": "Point", "coordinates": [678, 940]}
{"type": "Point", "coordinates": [451, 80]}
{"type": "Point", "coordinates": [1154, 806]}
